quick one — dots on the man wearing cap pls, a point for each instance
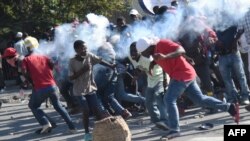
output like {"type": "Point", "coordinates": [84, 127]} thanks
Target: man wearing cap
{"type": "Point", "coordinates": [14, 59]}
{"type": "Point", "coordinates": [38, 69]}
{"type": "Point", "coordinates": [134, 15]}
{"type": "Point", "coordinates": [156, 84]}
{"type": "Point", "coordinates": [171, 57]}
{"type": "Point", "coordinates": [19, 45]}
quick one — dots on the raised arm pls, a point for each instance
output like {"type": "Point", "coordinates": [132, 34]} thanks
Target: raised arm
{"type": "Point", "coordinates": [178, 52]}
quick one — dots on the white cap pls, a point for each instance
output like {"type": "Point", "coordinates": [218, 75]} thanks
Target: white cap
{"type": "Point", "coordinates": [133, 12]}
{"type": "Point", "coordinates": [143, 43]}
{"type": "Point", "coordinates": [19, 35]}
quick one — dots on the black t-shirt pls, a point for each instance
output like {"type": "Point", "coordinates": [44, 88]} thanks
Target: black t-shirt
{"type": "Point", "coordinates": [226, 39]}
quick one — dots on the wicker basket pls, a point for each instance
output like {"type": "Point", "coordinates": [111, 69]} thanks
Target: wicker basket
{"type": "Point", "coordinates": [111, 129]}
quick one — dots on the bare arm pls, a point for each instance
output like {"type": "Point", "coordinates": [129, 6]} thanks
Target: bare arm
{"type": "Point", "coordinates": [151, 66]}
{"type": "Point", "coordinates": [107, 64]}
{"type": "Point", "coordinates": [178, 52]}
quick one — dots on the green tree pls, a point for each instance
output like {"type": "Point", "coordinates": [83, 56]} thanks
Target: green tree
{"type": "Point", "coordinates": [30, 15]}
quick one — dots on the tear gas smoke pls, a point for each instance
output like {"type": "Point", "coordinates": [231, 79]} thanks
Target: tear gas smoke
{"type": "Point", "coordinates": [218, 14]}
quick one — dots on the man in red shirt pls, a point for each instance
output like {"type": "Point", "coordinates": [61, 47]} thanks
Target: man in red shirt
{"type": "Point", "coordinates": [38, 69]}
{"type": "Point", "coordinates": [171, 57]}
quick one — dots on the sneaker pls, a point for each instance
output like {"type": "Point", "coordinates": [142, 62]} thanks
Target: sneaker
{"type": "Point", "coordinates": [45, 129]}
{"type": "Point", "coordinates": [248, 107]}
{"type": "Point", "coordinates": [39, 131]}
{"type": "Point", "coordinates": [126, 114]}
{"type": "Point", "coordinates": [170, 135]}
{"type": "Point", "coordinates": [53, 124]}
{"type": "Point", "coordinates": [50, 130]}
{"type": "Point", "coordinates": [245, 102]}
{"type": "Point", "coordinates": [162, 125]}
{"type": "Point", "coordinates": [88, 137]}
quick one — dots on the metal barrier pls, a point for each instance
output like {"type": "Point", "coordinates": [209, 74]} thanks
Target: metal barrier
{"type": "Point", "coordinates": [10, 73]}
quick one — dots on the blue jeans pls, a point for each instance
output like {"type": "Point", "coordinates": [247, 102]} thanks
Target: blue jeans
{"type": "Point", "coordinates": [39, 96]}
{"type": "Point", "coordinates": [90, 102]}
{"type": "Point", "coordinates": [155, 104]}
{"type": "Point", "coordinates": [106, 82]}
{"type": "Point", "coordinates": [122, 95]}
{"type": "Point", "coordinates": [193, 92]}
{"type": "Point", "coordinates": [87, 102]}
{"type": "Point", "coordinates": [229, 64]}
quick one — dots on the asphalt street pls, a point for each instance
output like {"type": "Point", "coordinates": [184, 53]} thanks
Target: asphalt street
{"type": "Point", "coordinates": [18, 124]}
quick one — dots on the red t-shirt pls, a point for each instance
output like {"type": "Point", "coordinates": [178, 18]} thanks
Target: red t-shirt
{"type": "Point", "coordinates": [39, 70]}
{"type": "Point", "coordinates": [177, 68]}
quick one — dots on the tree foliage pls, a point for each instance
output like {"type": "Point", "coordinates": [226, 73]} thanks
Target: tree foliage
{"type": "Point", "coordinates": [27, 15]}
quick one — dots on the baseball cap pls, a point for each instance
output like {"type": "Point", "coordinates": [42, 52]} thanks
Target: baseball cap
{"type": "Point", "coordinates": [9, 52]}
{"type": "Point", "coordinates": [133, 12]}
{"type": "Point", "coordinates": [19, 35]}
{"type": "Point", "coordinates": [143, 43]}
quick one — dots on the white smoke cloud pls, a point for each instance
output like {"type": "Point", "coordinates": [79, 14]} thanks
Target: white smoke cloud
{"type": "Point", "coordinates": [217, 13]}
{"type": "Point", "coordinates": [220, 12]}
{"type": "Point", "coordinates": [93, 33]}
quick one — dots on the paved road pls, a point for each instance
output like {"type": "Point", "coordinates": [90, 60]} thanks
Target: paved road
{"type": "Point", "coordinates": [18, 124]}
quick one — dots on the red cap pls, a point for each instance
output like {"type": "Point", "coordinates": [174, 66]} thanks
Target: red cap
{"type": "Point", "coordinates": [9, 52]}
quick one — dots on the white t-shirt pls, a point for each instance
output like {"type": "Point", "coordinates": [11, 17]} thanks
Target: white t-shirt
{"type": "Point", "coordinates": [143, 64]}
{"type": "Point", "coordinates": [20, 48]}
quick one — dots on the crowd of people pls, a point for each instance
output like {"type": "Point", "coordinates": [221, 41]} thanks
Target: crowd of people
{"type": "Point", "coordinates": [202, 65]}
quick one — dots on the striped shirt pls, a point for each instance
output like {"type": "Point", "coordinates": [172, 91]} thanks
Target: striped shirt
{"type": "Point", "coordinates": [245, 24]}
